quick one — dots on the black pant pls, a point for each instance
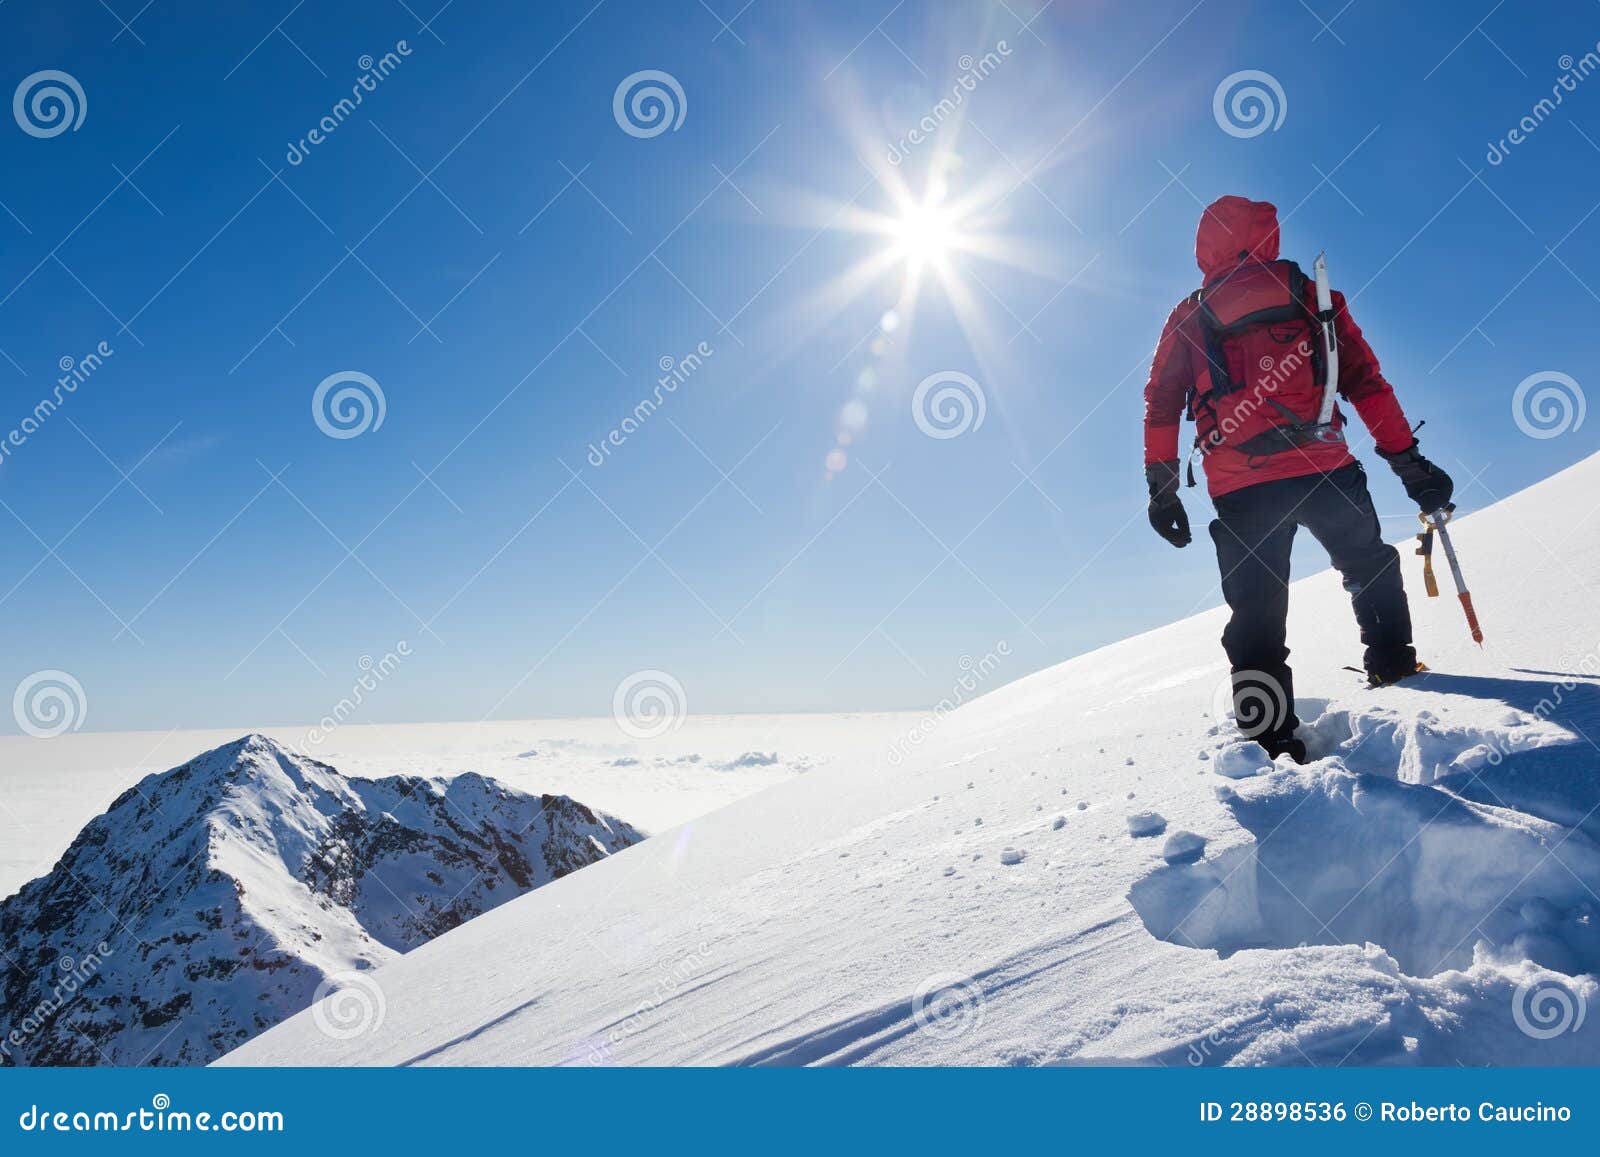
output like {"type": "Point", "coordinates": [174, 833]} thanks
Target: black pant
{"type": "Point", "coordinates": [1254, 531]}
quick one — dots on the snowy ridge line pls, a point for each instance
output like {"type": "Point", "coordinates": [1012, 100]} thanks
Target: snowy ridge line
{"type": "Point", "coordinates": [54, 790]}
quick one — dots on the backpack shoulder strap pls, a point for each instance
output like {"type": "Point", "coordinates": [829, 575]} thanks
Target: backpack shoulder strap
{"type": "Point", "coordinates": [1193, 302]}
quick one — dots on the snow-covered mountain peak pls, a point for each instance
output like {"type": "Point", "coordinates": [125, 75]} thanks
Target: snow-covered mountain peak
{"type": "Point", "coordinates": [212, 900]}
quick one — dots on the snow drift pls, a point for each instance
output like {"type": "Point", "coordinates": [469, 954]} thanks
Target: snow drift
{"type": "Point", "coordinates": [213, 900]}
{"type": "Point", "coordinates": [1088, 867]}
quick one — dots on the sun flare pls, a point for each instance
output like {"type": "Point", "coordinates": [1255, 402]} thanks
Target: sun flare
{"type": "Point", "coordinates": [923, 233]}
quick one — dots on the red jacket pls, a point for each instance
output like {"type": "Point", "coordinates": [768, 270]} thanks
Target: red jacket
{"type": "Point", "coordinates": [1233, 230]}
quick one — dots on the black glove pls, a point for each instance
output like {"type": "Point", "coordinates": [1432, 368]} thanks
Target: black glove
{"type": "Point", "coordinates": [1167, 515]}
{"type": "Point", "coordinates": [1428, 486]}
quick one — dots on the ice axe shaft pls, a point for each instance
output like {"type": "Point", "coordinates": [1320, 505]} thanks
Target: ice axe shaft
{"type": "Point", "coordinates": [1472, 617]}
{"type": "Point", "coordinates": [1437, 521]}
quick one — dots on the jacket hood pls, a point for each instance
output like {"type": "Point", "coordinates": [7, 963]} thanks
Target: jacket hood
{"type": "Point", "coordinates": [1233, 228]}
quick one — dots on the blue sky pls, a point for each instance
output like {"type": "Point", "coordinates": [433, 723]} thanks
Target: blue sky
{"type": "Point", "coordinates": [483, 239]}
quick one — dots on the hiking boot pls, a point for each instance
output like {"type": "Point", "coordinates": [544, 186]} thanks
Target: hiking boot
{"type": "Point", "coordinates": [1380, 676]}
{"type": "Point", "coordinates": [1288, 745]}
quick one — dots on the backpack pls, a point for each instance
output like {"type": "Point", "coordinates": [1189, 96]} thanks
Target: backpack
{"type": "Point", "coordinates": [1266, 368]}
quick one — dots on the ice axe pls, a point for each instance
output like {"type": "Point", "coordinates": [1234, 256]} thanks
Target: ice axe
{"type": "Point", "coordinates": [1325, 431]}
{"type": "Point", "coordinates": [1435, 524]}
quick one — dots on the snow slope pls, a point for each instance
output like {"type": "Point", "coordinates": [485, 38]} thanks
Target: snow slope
{"type": "Point", "coordinates": [215, 899]}
{"type": "Point", "coordinates": [1424, 892]}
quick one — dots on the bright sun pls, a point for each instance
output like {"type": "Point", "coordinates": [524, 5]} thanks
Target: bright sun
{"type": "Point", "coordinates": [923, 234]}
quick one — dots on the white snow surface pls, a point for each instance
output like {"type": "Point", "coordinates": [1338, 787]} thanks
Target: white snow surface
{"type": "Point", "coordinates": [1423, 892]}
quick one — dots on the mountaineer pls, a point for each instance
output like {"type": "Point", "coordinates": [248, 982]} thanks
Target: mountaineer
{"type": "Point", "coordinates": [1257, 358]}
